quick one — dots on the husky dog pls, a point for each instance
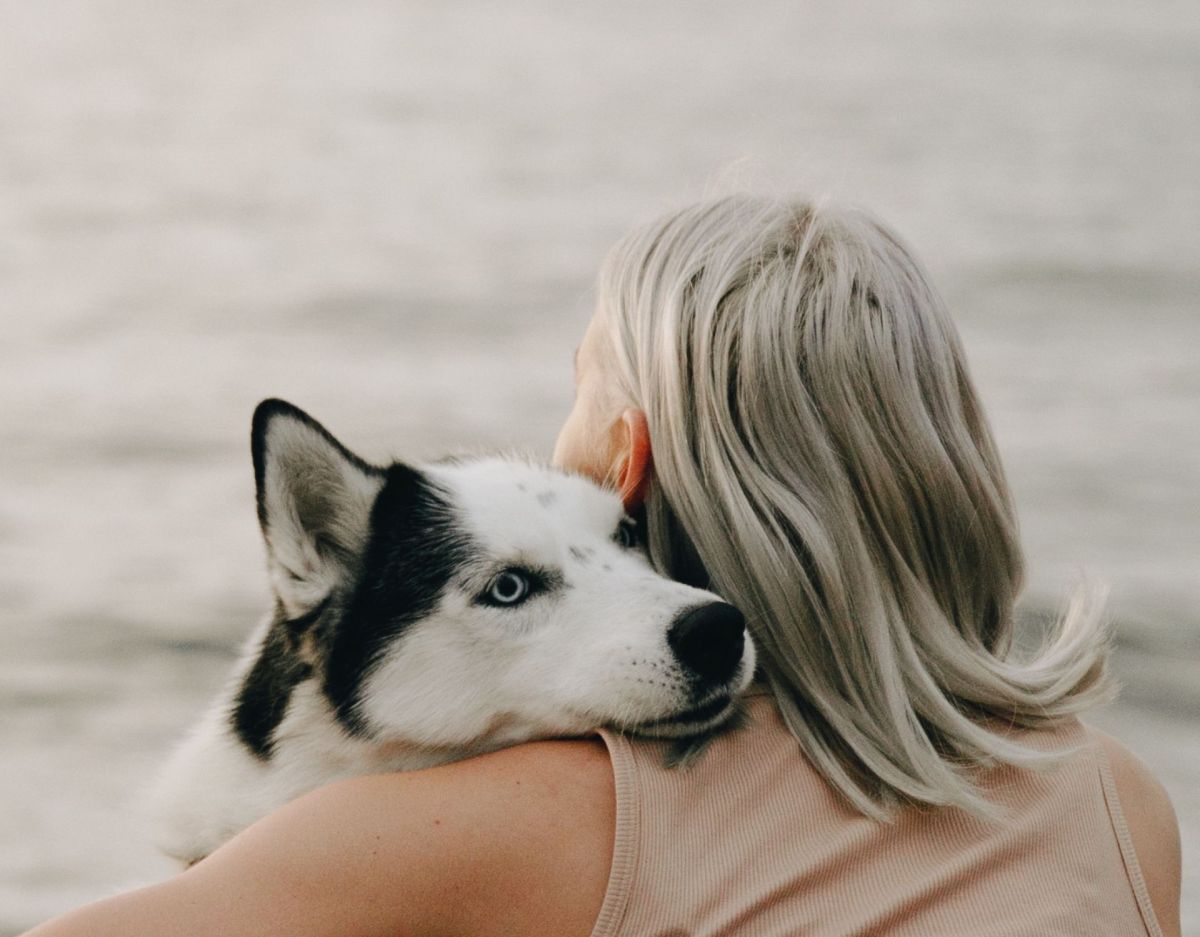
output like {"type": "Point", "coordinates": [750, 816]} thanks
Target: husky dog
{"type": "Point", "coordinates": [425, 614]}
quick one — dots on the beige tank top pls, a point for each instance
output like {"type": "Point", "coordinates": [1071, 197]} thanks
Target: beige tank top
{"type": "Point", "coordinates": [750, 840]}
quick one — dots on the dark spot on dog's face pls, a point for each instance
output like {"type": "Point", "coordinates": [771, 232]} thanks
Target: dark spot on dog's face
{"type": "Point", "coordinates": [414, 547]}
{"type": "Point", "coordinates": [547, 498]}
{"type": "Point", "coordinates": [580, 554]}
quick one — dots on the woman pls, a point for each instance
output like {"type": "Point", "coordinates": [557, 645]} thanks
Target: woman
{"type": "Point", "coordinates": [778, 387]}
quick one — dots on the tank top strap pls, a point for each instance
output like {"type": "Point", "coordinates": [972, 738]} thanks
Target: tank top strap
{"type": "Point", "coordinates": [1116, 816]}
{"type": "Point", "coordinates": [626, 840]}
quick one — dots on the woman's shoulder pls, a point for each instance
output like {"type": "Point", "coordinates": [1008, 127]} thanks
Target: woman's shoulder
{"type": "Point", "coordinates": [515, 842]}
{"type": "Point", "coordinates": [512, 842]}
{"type": "Point", "coordinates": [1145, 808]}
{"type": "Point", "coordinates": [535, 821]}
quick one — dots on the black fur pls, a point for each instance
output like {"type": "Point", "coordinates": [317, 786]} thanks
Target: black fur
{"type": "Point", "coordinates": [414, 547]}
{"type": "Point", "coordinates": [266, 691]}
{"type": "Point", "coordinates": [264, 413]}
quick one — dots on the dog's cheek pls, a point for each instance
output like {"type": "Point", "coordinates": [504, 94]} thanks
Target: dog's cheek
{"type": "Point", "coordinates": [435, 689]}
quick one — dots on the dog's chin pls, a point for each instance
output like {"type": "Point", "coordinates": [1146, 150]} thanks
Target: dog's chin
{"type": "Point", "coordinates": [702, 720]}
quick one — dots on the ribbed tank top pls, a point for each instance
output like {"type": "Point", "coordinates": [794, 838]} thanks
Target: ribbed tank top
{"type": "Point", "coordinates": [750, 840]}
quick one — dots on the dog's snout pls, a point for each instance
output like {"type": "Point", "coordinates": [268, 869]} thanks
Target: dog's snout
{"type": "Point", "coordinates": [709, 640]}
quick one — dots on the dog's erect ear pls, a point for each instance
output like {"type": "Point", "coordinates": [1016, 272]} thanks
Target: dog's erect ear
{"type": "Point", "coordinates": [314, 504]}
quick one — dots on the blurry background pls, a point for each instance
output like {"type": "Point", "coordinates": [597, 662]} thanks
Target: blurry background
{"type": "Point", "coordinates": [391, 214]}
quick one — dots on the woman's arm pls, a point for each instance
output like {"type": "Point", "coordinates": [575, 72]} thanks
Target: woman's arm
{"type": "Point", "coordinates": [516, 842]}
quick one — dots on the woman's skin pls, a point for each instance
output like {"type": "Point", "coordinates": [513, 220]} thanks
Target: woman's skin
{"type": "Point", "coordinates": [515, 842]}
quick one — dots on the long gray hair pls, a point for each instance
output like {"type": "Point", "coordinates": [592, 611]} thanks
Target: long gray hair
{"type": "Point", "coordinates": [821, 460]}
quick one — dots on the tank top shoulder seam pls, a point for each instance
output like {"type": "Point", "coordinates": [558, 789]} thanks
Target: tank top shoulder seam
{"type": "Point", "coordinates": [626, 838]}
{"type": "Point", "coordinates": [1116, 817]}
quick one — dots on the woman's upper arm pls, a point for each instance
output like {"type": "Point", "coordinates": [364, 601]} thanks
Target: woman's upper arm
{"type": "Point", "coordinates": [1153, 828]}
{"type": "Point", "coordinates": [519, 841]}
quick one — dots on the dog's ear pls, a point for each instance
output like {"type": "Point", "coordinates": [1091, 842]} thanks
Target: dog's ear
{"type": "Point", "coordinates": [314, 504]}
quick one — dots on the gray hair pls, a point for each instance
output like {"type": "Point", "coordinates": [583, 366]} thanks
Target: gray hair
{"type": "Point", "coordinates": [821, 460]}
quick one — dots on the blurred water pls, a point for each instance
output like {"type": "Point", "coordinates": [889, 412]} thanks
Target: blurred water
{"type": "Point", "coordinates": [391, 214]}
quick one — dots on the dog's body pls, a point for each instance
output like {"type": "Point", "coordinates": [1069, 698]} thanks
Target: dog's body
{"type": "Point", "coordinates": [425, 615]}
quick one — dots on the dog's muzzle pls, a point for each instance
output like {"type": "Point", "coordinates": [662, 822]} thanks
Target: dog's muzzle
{"type": "Point", "coordinates": [709, 643]}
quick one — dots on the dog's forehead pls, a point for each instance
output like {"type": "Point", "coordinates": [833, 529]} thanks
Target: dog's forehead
{"type": "Point", "coordinates": [508, 503]}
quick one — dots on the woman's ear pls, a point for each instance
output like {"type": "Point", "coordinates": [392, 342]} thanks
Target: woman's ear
{"type": "Point", "coordinates": [636, 459]}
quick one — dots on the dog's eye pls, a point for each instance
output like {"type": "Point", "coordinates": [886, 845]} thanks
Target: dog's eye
{"type": "Point", "coordinates": [627, 534]}
{"type": "Point", "coordinates": [509, 588]}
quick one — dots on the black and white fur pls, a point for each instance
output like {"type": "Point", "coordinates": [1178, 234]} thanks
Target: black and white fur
{"type": "Point", "coordinates": [426, 614]}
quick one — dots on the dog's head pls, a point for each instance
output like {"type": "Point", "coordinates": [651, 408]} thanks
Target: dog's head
{"type": "Point", "coordinates": [475, 603]}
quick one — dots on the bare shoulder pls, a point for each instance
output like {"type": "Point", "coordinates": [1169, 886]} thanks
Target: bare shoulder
{"type": "Point", "coordinates": [514, 842]}
{"type": "Point", "coordinates": [1153, 827]}
{"type": "Point", "coordinates": [528, 830]}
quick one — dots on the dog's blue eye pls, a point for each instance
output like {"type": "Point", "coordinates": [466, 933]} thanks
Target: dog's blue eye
{"type": "Point", "coordinates": [509, 588]}
{"type": "Point", "coordinates": [627, 534]}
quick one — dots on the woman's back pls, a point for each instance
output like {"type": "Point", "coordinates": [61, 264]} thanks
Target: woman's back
{"type": "Point", "coordinates": [751, 840]}
{"type": "Point", "coordinates": [777, 390]}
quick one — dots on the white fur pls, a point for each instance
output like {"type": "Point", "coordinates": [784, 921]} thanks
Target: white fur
{"type": "Point", "coordinates": [466, 678]}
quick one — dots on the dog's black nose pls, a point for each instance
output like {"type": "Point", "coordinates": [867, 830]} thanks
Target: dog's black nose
{"type": "Point", "coordinates": [709, 640]}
